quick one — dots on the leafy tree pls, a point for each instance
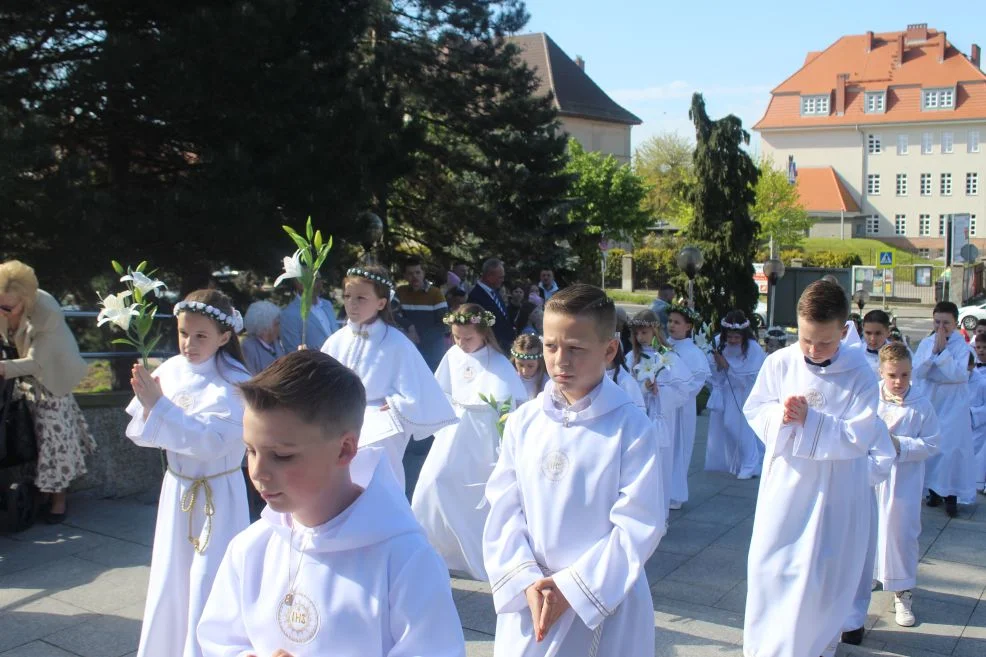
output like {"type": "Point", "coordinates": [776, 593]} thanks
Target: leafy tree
{"type": "Point", "coordinates": [664, 161]}
{"type": "Point", "coordinates": [778, 208]}
{"type": "Point", "coordinates": [721, 196]}
{"type": "Point", "coordinates": [609, 197]}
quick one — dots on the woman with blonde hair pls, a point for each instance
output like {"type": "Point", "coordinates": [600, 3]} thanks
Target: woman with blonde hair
{"type": "Point", "coordinates": [48, 368]}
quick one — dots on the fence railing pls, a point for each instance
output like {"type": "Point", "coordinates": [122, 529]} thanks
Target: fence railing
{"type": "Point", "coordinates": [917, 284]}
{"type": "Point", "coordinates": [71, 313]}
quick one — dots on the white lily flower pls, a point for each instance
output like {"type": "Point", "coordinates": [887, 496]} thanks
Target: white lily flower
{"type": "Point", "coordinates": [292, 268]}
{"type": "Point", "coordinates": [116, 311]}
{"type": "Point", "coordinates": [143, 282]}
{"type": "Point", "coordinates": [646, 370]}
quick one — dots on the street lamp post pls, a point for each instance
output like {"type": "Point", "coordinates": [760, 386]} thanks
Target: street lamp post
{"type": "Point", "coordinates": [774, 270]}
{"type": "Point", "coordinates": [690, 261]}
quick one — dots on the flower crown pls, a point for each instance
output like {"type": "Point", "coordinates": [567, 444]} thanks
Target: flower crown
{"type": "Point", "coordinates": [681, 307]}
{"type": "Point", "coordinates": [642, 323]}
{"type": "Point", "coordinates": [482, 318]}
{"type": "Point", "coordinates": [376, 278]}
{"type": "Point", "coordinates": [735, 327]}
{"type": "Point", "coordinates": [523, 355]}
{"type": "Point", "coordinates": [233, 321]}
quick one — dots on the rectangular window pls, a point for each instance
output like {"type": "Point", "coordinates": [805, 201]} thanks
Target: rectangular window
{"type": "Point", "coordinates": [925, 184]}
{"type": "Point", "coordinates": [901, 184]}
{"type": "Point", "coordinates": [924, 253]}
{"type": "Point", "coordinates": [972, 184]}
{"type": "Point", "coordinates": [901, 144]}
{"type": "Point", "coordinates": [900, 224]}
{"type": "Point", "coordinates": [874, 146]}
{"type": "Point", "coordinates": [940, 253]}
{"type": "Point", "coordinates": [925, 225]}
{"type": "Point", "coordinates": [873, 225]}
{"type": "Point", "coordinates": [947, 145]}
{"type": "Point", "coordinates": [972, 145]}
{"type": "Point", "coordinates": [873, 184]}
{"type": "Point", "coordinates": [942, 223]}
{"type": "Point", "coordinates": [946, 184]}
{"type": "Point", "coordinates": [935, 99]}
{"type": "Point", "coordinates": [815, 105]}
{"type": "Point", "coordinates": [876, 102]}
{"type": "Point", "coordinates": [972, 226]}
{"type": "Point", "coordinates": [927, 143]}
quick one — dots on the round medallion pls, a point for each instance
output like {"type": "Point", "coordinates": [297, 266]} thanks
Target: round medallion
{"type": "Point", "coordinates": [815, 399]}
{"type": "Point", "coordinates": [554, 465]}
{"type": "Point", "coordinates": [298, 618]}
{"type": "Point", "coordinates": [184, 401]}
{"type": "Point", "coordinates": [469, 373]}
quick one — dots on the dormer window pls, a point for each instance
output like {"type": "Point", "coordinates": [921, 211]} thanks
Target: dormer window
{"type": "Point", "coordinates": [815, 105]}
{"type": "Point", "coordinates": [876, 102]}
{"type": "Point", "coordinates": [938, 99]}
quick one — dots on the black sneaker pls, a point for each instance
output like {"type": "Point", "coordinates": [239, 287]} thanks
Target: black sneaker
{"type": "Point", "coordinates": [951, 506]}
{"type": "Point", "coordinates": [853, 637]}
{"type": "Point", "coordinates": [934, 499]}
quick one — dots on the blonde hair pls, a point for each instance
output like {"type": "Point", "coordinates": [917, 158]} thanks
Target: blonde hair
{"type": "Point", "coordinates": [644, 319]}
{"type": "Point", "coordinates": [525, 343]}
{"type": "Point", "coordinates": [485, 331]}
{"type": "Point", "coordinates": [19, 279]}
{"type": "Point", "coordinates": [893, 352]}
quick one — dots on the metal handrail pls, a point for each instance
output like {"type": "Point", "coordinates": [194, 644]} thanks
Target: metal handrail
{"type": "Point", "coordinates": [116, 355]}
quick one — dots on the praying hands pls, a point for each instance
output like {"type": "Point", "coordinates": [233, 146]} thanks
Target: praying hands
{"type": "Point", "coordinates": [547, 604]}
{"type": "Point", "coordinates": [795, 410]}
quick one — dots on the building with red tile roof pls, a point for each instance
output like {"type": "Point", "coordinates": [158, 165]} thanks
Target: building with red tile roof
{"type": "Point", "coordinates": [890, 124]}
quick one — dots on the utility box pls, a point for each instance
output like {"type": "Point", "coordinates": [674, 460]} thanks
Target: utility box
{"type": "Point", "coordinates": [627, 273]}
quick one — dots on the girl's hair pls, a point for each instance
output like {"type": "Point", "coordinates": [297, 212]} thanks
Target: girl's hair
{"type": "Point", "coordinates": [260, 317]}
{"type": "Point", "coordinates": [485, 330]}
{"type": "Point", "coordinates": [380, 289]}
{"type": "Point", "coordinates": [530, 344]}
{"type": "Point", "coordinates": [644, 319]}
{"type": "Point", "coordinates": [736, 318]}
{"type": "Point", "coordinates": [619, 360]}
{"type": "Point", "coordinates": [218, 300]}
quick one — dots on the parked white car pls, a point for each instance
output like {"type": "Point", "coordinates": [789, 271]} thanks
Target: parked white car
{"type": "Point", "coordinates": [761, 313]}
{"type": "Point", "coordinates": [969, 315]}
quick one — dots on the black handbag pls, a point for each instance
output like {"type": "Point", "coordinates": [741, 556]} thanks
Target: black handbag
{"type": "Point", "coordinates": [18, 441]}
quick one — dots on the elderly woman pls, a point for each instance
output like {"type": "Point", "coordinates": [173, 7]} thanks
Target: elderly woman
{"type": "Point", "coordinates": [48, 368]}
{"type": "Point", "coordinates": [262, 346]}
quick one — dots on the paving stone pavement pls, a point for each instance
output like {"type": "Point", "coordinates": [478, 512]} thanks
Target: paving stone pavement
{"type": "Point", "coordinates": [78, 590]}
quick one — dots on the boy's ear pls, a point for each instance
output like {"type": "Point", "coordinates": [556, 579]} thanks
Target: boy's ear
{"type": "Point", "coordinates": [611, 348]}
{"type": "Point", "coordinates": [845, 330]}
{"type": "Point", "coordinates": [348, 446]}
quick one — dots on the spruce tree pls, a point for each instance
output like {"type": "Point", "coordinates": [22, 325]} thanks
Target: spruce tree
{"type": "Point", "coordinates": [721, 195]}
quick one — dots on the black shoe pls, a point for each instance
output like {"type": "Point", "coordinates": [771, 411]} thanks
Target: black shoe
{"type": "Point", "coordinates": [853, 637]}
{"type": "Point", "coordinates": [951, 506]}
{"type": "Point", "coordinates": [54, 518]}
{"type": "Point", "coordinates": [934, 499]}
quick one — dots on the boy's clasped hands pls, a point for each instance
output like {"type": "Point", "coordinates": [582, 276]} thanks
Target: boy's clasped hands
{"type": "Point", "coordinates": [547, 605]}
{"type": "Point", "coordinates": [795, 410]}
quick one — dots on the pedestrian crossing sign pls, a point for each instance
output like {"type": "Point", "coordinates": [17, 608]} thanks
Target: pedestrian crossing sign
{"type": "Point", "coordinates": [887, 258]}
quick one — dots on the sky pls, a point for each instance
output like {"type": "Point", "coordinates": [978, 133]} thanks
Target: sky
{"type": "Point", "coordinates": [651, 55]}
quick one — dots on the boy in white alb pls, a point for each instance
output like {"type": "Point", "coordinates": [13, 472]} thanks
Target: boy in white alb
{"type": "Point", "coordinates": [814, 407]}
{"type": "Point", "coordinates": [336, 565]}
{"type": "Point", "coordinates": [575, 506]}
{"type": "Point", "coordinates": [913, 426]}
{"type": "Point", "coordinates": [876, 333]}
{"type": "Point", "coordinates": [941, 366]}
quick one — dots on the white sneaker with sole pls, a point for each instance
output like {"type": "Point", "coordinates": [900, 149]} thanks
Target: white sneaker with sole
{"type": "Point", "coordinates": [902, 609]}
{"type": "Point", "coordinates": [675, 506]}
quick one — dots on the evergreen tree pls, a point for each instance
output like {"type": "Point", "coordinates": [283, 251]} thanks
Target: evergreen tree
{"type": "Point", "coordinates": [722, 228]}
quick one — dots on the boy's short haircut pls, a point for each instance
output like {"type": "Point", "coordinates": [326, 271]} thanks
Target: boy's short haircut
{"type": "Point", "coordinates": [980, 338]}
{"type": "Point", "coordinates": [893, 352]}
{"type": "Point", "coordinates": [581, 300]}
{"type": "Point", "coordinates": [981, 322]}
{"type": "Point", "coordinates": [314, 386]}
{"type": "Point", "coordinates": [823, 301]}
{"type": "Point", "coordinates": [877, 317]}
{"type": "Point", "coordinates": [946, 307]}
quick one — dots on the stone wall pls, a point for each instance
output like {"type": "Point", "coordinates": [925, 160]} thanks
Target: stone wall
{"type": "Point", "coordinates": [118, 468]}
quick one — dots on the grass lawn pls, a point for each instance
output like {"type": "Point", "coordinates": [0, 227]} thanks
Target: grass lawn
{"type": "Point", "coordinates": [639, 297]}
{"type": "Point", "coordinates": [867, 249]}
{"type": "Point", "coordinates": [98, 378]}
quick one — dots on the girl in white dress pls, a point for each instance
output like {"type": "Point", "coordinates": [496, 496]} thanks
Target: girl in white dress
{"type": "Point", "coordinates": [619, 371]}
{"type": "Point", "coordinates": [732, 445]}
{"type": "Point", "coordinates": [665, 392]}
{"type": "Point", "coordinates": [190, 408]}
{"type": "Point", "coordinates": [528, 358]}
{"type": "Point", "coordinates": [449, 498]}
{"type": "Point", "coordinates": [403, 401]}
